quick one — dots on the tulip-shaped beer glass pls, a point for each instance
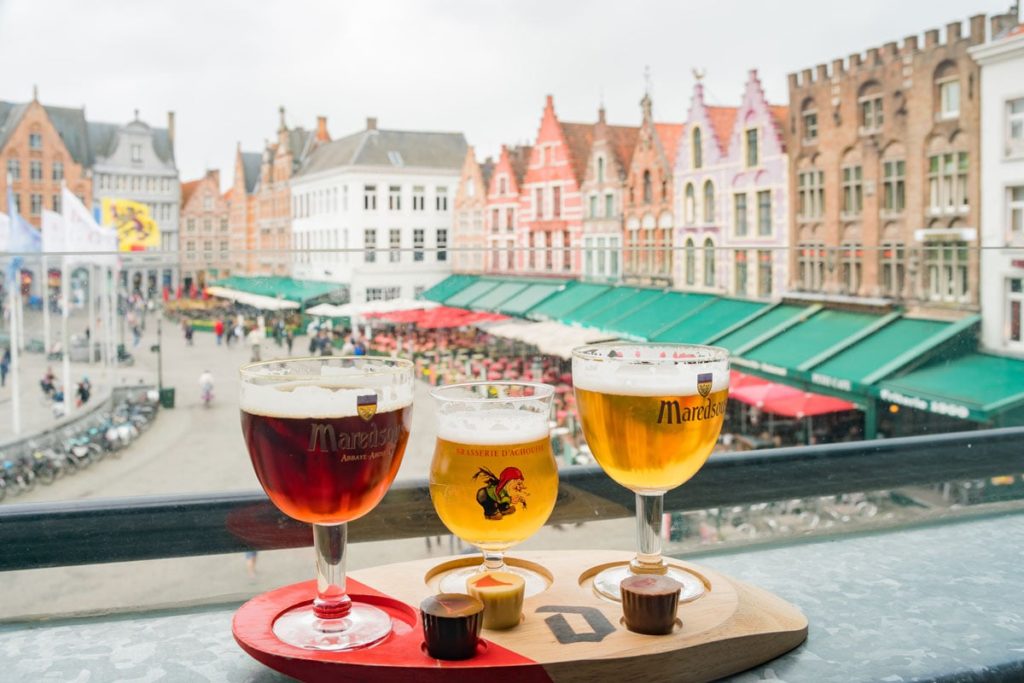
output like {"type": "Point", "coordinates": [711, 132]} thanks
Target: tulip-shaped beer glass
{"type": "Point", "coordinates": [326, 438]}
{"type": "Point", "coordinates": [651, 414]}
{"type": "Point", "coordinates": [493, 478]}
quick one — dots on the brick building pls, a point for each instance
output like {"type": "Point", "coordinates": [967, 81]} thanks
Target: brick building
{"type": "Point", "coordinates": [647, 205]}
{"type": "Point", "coordinates": [550, 221]}
{"type": "Point", "coordinates": [242, 211]}
{"type": "Point", "coordinates": [884, 162]}
{"type": "Point", "coordinates": [732, 197]}
{"type": "Point", "coordinates": [205, 235]}
{"type": "Point", "coordinates": [602, 189]}
{"type": "Point", "coordinates": [501, 217]}
{"type": "Point", "coordinates": [468, 209]}
{"type": "Point", "coordinates": [273, 207]}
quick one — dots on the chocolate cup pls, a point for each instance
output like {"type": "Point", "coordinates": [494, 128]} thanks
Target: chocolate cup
{"type": "Point", "coordinates": [649, 603]}
{"type": "Point", "coordinates": [451, 625]}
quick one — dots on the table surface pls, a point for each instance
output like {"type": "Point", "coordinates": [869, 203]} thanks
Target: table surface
{"type": "Point", "coordinates": [936, 603]}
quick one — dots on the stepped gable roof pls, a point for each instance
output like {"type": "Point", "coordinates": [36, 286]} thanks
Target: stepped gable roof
{"type": "Point", "coordinates": [251, 170]}
{"type": "Point", "coordinates": [398, 148]}
{"type": "Point", "coordinates": [519, 158]}
{"type": "Point", "coordinates": [722, 121]}
{"type": "Point", "coordinates": [623, 142]}
{"type": "Point", "coordinates": [487, 170]}
{"type": "Point", "coordinates": [578, 137]}
{"type": "Point", "coordinates": [669, 134]}
{"type": "Point", "coordinates": [188, 189]}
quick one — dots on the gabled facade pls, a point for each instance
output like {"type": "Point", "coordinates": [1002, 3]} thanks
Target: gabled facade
{"type": "Point", "coordinates": [602, 190]}
{"type": "Point", "coordinates": [550, 204]}
{"type": "Point", "coordinates": [242, 211]}
{"type": "Point", "coordinates": [205, 238]}
{"type": "Point", "coordinates": [501, 217]}
{"type": "Point", "coordinates": [732, 197]}
{"type": "Point", "coordinates": [469, 240]}
{"type": "Point", "coordinates": [648, 207]}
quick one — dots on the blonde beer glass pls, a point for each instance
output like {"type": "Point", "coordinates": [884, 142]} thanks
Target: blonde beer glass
{"type": "Point", "coordinates": [326, 438]}
{"type": "Point", "coordinates": [493, 479]}
{"type": "Point", "coordinates": [651, 414]}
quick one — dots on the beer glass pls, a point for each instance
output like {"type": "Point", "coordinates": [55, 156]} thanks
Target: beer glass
{"type": "Point", "coordinates": [326, 437]}
{"type": "Point", "coordinates": [651, 414]}
{"type": "Point", "coordinates": [493, 479]}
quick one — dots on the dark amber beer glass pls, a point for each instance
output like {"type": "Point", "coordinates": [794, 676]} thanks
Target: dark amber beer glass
{"type": "Point", "coordinates": [651, 415]}
{"type": "Point", "coordinates": [326, 438]}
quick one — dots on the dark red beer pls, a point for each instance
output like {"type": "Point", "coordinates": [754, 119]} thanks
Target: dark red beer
{"type": "Point", "coordinates": [327, 470]}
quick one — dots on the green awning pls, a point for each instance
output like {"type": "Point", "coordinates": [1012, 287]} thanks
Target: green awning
{"type": "Point", "coordinates": [575, 295]}
{"type": "Point", "coordinates": [758, 326]}
{"type": "Point", "coordinates": [608, 318]}
{"type": "Point", "coordinates": [448, 287]}
{"type": "Point", "coordinates": [862, 358]}
{"type": "Point", "coordinates": [609, 300]}
{"type": "Point", "coordinates": [467, 296]}
{"type": "Point", "coordinates": [975, 386]}
{"type": "Point", "coordinates": [524, 301]}
{"type": "Point", "coordinates": [497, 296]}
{"type": "Point", "coordinates": [275, 286]}
{"type": "Point", "coordinates": [701, 323]}
{"type": "Point", "coordinates": [809, 338]}
{"type": "Point", "coordinates": [642, 323]}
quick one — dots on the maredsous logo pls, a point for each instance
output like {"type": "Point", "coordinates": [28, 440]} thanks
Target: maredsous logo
{"type": "Point", "coordinates": [671, 413]}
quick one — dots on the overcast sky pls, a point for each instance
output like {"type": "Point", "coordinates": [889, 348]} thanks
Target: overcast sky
{"type": "Point", "coordinates": [478, 67]}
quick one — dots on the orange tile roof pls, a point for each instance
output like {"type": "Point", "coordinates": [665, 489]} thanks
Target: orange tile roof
{"type": "Point", "coordinates": [722, 120]}
{"type": "Point", "coordinates": [187, 189]}
{"type": "Point", "coordinates": [227, 195]}
{"type": "Point", "coordinates": [578, 137]}
{"type": "Point", "coordinates": [1016, 30]}
{"type": "Point", "coordinates": [519, 160]}
{"type": "Point", "coordinates": [780, 112]}
{"type": "Point", "coordinates": [623, 142]}
{"type": "Point", "coordinates": [669, 134]}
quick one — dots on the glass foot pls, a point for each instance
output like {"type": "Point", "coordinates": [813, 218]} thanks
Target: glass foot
{"type": "Point", "coordinates": [363, 626]}
{"type": "Point", "coordinates": [455, 581]}
{"type": "Point", "coordinates": [606, 583]}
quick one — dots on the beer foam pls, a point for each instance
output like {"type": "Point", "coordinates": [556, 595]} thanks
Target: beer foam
{"type": "Point", "coordinates": [654, 378]}
{"type": "Point", "coordinates": [301, 399]}
{"type": "Point", "coordinates": [492, 427]}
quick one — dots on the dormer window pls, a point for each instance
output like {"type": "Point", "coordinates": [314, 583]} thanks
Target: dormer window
{"type": "Point", "coordinates": [698, 149]}
{"type": "Point", "coordinates": [600, 169]}
{"type": "Point", "coordinates": [136, 154]}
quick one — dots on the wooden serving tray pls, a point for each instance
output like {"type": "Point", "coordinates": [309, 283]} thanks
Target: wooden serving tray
{"type": "Point", "coordinates": [568, 633]}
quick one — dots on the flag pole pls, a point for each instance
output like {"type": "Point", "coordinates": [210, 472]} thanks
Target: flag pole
{"type": "Point", "coordinates": [46, 305]}
{"type": "Point", "coordinates": [15, 370]}
{"type": "Point", "coordinates": [65, 285]}
{"type": "Point", "coordinates": [91, 322]}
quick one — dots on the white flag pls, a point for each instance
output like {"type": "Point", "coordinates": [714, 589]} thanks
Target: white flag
{"type": "Point", "coordinates": [53, 232]}
{"type": "Point", "coordinates": [83, 234]}
{"type": "Point", "coordinates": [5, 231]}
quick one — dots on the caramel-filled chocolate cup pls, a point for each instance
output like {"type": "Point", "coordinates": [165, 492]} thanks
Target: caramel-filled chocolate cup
{"type": "Point", "coordinates": [649, 603]}
{"type": "Point", "coordinates": [451, 625]}
{"type": "Point", "coordinates": [502, 596]}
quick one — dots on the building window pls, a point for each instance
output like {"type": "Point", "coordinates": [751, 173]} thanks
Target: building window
{"type": "Point", "coordinates": [893, 187]}
{"type": "Point", "coordinates": [369, 197]}
{"type": "Point", "coordinates": [36, 204]}
{"type": "Point", "coordinates": [35, 141]}
{"type": "Point", "coordinates": [549, 252]}
{"type": "Point", "coordinates": [751, 145]}
{"type": "Point", "coordinates": [648, 191]}
{"type": "Point", "coordinates": [946, 271]}
{"type": "Point", "coordinates": [223, 224]}
{"type": "Point", "coordinates": [709, 263]}
{"type": "Point", "coordinates": [809, 119]}
{"type": "Point", "coordinates": [892, 269]}
{"type": "Point", "coordinates": [394, 198]}
{"type": "Point", "coordinates": [853, 190]}
{"type": "Point", "coordinates": [811, 266]}
{"type": "Point", "coordinates": [566, 251]}
{"type": "Point", "coordinates": [57, 171]}
{"type": "Point", "coordinates": [613, 257]}
{"type": "Point", "coordinates": [690, 205]}
{"type": "Point", "coordinates": [136, 153]}
{"type": "Point", "coordinates": [207, 202]}
{"type": "Point", "coordinates": [810, 194]}
{"type": "Point", "coordinates": [1015, 204]}
{"type": "Point", "coordinates": [538, 203]}
{"type": "Point", "coordinates": [1014, 310]}
{"type": "Point", "coordinates": [739, 212]}
{"type": "Point", "coordinates": [850, 268]}
{"type": "Point", "coordinates": [190, 248]}
{"type": "Point", "coordinates": [370, 245]}
{"type": "Point", "coordinates": [417, 244]}
{"type": "Point", "coordinates": [14, 168]}
{"type": "Point", "coordinates": [698, 149]}
{"type": "Point", "coordinates": [495, 216]}
{"type": "Point", "coordinates": [870, 103]}
{"type": "Point", "coordinates": [556, 201]}
{"type": "Point", "coordinates": [531, 257]}
{"type": "Point", "coordinates": [35, 171]}
{"type": "Point", "coordinates": [502, 185]}
{"type": "Point", "coordinates": [949, 98]}
{"type": "Point", "coordinates": [442, 244]}
{"type": "Point", "coordinates": [740, 270]}
{"type": "Point", "coordinates": [764, 213]}
{"type": "Point", "coordinates": [609, 205]}
{"type": "Point", "coordinates": [190, 224]}
{"type": "Point", "coordinates": [764, 273]}
{"type": "Point", "coordinates": [690, 262]}
{"type": "Point", "coordinates": [600, 169]}
{"type": "Point", "coordinates": [395, 242]}
{"type": "Point", "coordinates": [709, 202]}
{"type": "Point", "coordinates": [1015, 127]}
{"type": "Point", "coordinates": [592, 201]}
{"type": "Point", "coordinates": [56, 203]}
{"type": "Point", "coordinates": [588, 257]}
{"type": "Point", "coordinates": [947, 182]}
{"type": "Point", "coordinates": [441, 198]}
{"type": "Point", "coordinates": [602, 257]}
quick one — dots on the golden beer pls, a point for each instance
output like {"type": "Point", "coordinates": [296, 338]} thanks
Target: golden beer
{"type": "Point", "coordinates": [492, 493]}
{"type": "Point", "coordinates": [651, 443]}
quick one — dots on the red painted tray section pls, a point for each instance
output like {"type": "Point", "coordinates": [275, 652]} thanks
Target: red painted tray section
{"type": "Point", "coordinates": [401, 656]}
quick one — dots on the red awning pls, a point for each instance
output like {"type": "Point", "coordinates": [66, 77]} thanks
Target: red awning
{"type": "Point", "coordinates": [781, 399]}
{"type": "Point", "coordinates": [443, 316]}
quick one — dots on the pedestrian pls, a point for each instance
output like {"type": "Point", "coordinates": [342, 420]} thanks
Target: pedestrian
{"type": "Point", "coordinates": [218, 329]}
{"type": "Point", "coordinates": [188, 332]}
{"type": "Point", "coordinates": [5, 366]}
{"type": "Point", "coordinates": [255, 339]}
{"type": "Point", "coordinates": [289, 337]}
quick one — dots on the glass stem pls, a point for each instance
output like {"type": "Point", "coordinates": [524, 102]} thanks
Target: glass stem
{"type": "Point", "coordinates": [332, 602]}
{"type": "Point", "coordinates": [648, 535]}
{"type": "Point", "coordinates": [494, 561]}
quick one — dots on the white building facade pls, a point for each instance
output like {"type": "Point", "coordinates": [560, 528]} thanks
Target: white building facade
{"type": "Point", "coordinates": [373, 211]}
{"type": "Point", "coordinates": [1002, 192]}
